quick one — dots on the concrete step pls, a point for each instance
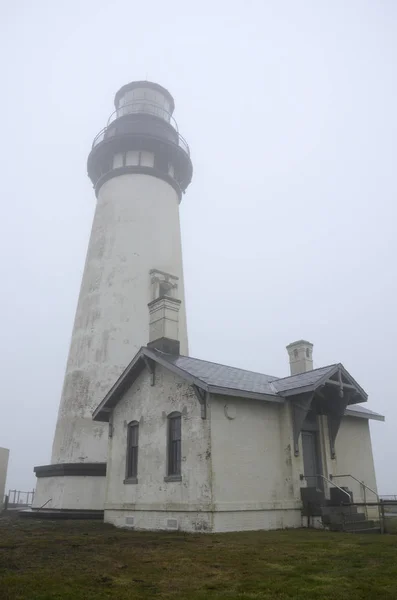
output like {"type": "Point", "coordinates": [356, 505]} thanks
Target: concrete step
{"type": "Point", "coordinates": [330, 509]}
{"type": "Point", "coordinates": [343, 518]}
{"type": "Point", "coordinates": [369, 530]}
{"type": "Point", "coordinates": [354, 526]}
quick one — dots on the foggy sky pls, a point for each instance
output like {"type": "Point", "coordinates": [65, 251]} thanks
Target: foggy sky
{"type": "Point", "coordinates": [288, 227]}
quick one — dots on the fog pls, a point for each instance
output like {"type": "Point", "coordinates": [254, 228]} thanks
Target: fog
{"type": "Point", "coordinates": [288, 227]}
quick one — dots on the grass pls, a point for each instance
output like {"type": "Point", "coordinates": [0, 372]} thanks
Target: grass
{"type": "Point", "coordinates": [73, 560]}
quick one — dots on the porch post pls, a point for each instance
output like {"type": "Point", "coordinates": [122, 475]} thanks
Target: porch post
{"type": "Point", "coordinates": [300, 407]}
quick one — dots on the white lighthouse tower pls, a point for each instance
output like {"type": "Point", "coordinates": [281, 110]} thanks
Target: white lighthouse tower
{"type": "Point", "coordinates": [139, 165]}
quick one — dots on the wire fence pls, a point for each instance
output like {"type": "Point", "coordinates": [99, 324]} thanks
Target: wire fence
{"type": "Point", "coordinates": [17, 499]}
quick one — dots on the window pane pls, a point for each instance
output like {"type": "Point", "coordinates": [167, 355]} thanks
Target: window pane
{"type": "Point", "coordinates": [134, 435]}
{"type": "Point", "coordinates": [132, 450]}
{"type": "Point", "coordinates": [178, 428]}
{"type": "Point", "coordinates": [132, 157]}
{"type": "Point", "coordinates": [174, 446]}
{"type": "Point", "coordinates": [177, 458]}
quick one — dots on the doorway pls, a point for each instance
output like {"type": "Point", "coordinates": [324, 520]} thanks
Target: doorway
{"type": "Point", "coordinates": [311, 452]}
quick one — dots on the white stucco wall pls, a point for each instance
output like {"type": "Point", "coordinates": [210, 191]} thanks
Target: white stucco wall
{"type": "Point", "coordinates": [4, 455]}
{"type": "Point", "coordinates": [135, 229]}
{"type": "Point", "coordinates": [73, 493]}
{"type": "Point", "coordinates": [239, 471]}
{"type": "Point", "coordinates": [152, 501]}
{"type": "Point", "coordinates": [354, 456]}
{"type": "Point", "coordinates": [253, 479]}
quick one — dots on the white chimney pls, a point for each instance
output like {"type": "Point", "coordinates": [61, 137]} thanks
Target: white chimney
{"type": "Point", "coordinates": [300, 356]}
{"type": "Point", "coordinates": [164, 319]}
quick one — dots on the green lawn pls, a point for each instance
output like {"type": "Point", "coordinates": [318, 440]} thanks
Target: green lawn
{"type": "Point", "coordinates": [42, 560]}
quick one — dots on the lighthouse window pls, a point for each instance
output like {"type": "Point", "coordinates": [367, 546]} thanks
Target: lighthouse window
{"type": "Point", "coordinates": [132, 452]}
{"type": "Point", "coordinates": [132, 157]}
{"type": "Point", "coordinates": [174, 447]}
{"type": "Point", "coordinates": [138, 94]}
{"type": "Point", "coordinates": [118, 160]}
{"type": "Point", "coordinates": [147, 159]}
{"type": "Point", "coordinates": [135, 158]}
{"type": "Point", "coordinates": [161, 162]}
{"type": "Point", "coordinates": [106, 167]}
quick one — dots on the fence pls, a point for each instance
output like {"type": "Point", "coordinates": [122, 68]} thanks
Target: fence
{"type": "Point", "coordinates": [383, 513]}
{"type": "Point", "coordinates": [19, 499]}
{"type": "Point", "coordinates": [388, 509]}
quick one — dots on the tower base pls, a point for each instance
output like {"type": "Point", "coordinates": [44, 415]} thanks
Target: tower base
{"type": "Point", "coordinates": [70, 487]}
{"type": "Point", "coordinates": [61, 514]}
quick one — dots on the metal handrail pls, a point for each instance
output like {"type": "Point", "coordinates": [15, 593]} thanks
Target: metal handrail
{"type": "Point", "coordinates": [142, 106]}
{"type": "Point", "coordinates": [365, 495]}
{"type": "Point", "coordinates": [337, 486]}
{"type": "Point", "coordinates": [101, 136]}
{"type": "Point", "coordinates": [359, 481]}
{"type": "Point", "coordinates": [40, 507]}
{"type": "Point", "coordinates": [329, 481]}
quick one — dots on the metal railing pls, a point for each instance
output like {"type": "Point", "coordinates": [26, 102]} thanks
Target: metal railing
{"type": "Point", "coordinates": [364, 487]}
{"type": "Point", "coordinates": [45, 504]}
{"type": "Point", "coordinates": [141, 107]}
{"type": "Point", "coordinates": [19, 499]}
{"type": "Point", "coordinates": [329, 481]}
{"type": "Point", "coordinates": [101, 136]}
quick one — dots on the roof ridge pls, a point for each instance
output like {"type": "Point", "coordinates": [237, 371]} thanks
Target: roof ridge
{"type": "Point", "coordinates": [216, 363]}
{"type": "Point", "coordinates": [311, 371]}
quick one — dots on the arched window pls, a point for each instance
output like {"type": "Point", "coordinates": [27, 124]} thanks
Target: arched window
{"type": "Point", "coordinates": [174, 445]}
{"type": "Point", "coordinates": [132, 451]}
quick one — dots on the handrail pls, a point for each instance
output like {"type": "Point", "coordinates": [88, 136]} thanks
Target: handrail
{"type": "Point", "coordinates": [365, 496]}
{"type": "Point", "coordinates": [142, 106]}
{"type": "Point", "coordinates": [100, 137]}
{"type": "Point", "coordinates": [359, 481]}
{"type": "Point", "coordinates": [40, 507]}
{"type": "Point", "coordinates": [337, 486]}
{"type": "Point", "coordinates": [329, 481]}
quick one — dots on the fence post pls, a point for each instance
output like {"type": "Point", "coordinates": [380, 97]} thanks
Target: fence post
{"type": "Point", "coordinates": [382, 520]}
{"type": "Point", "coordinates": [365, 499]}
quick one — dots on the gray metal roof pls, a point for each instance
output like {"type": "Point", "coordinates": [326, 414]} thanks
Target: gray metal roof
{"type": "Point", "coordinates": [359, 411]}
{"type": "Point", "coordinates": [223, 379]}
{"type": "Point", "coordinates": [222, 376]}
{"type": "Point", "coordinates": [309, 378]}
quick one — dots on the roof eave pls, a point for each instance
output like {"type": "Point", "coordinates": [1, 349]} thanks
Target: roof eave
{"type": "Point", "coordinates": [174, 369]}
{"type": "Point", "coordinates": [223, 391]}
{"type": "Point", "coordinates": [102, 411]}
{"type": "Point", "coordinates": [297, 391]}
{"type": "Point", "coordinates": [350, 412]}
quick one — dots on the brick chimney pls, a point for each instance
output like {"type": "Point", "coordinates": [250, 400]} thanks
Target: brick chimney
{"type": "Point", "coordinates": [300, 356]}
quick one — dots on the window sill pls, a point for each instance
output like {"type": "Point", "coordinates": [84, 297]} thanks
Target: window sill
{"type": "Point", "coordinates": [130, 480]}
{"type": "Point", "coordinates": [173, 478]}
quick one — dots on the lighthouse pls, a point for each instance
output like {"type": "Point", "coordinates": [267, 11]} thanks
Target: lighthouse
{"type": "Point", "coordinates": [140, 167]}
